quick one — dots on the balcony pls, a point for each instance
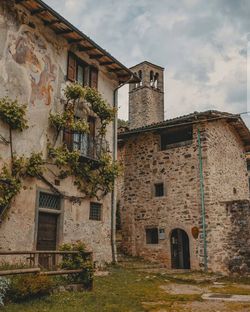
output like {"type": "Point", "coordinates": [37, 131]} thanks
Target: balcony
{"type": "Point", "coordinates": [90, 147]}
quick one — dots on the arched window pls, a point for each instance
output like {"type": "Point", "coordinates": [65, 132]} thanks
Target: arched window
{"type": "Point", "coordinates": [156, 80]}
{"type": "Point", "coordinates": [136, 84]}
{"type": "Point", "coordinates": [151, 78]}
{"type": "Point", "coordinates": [140, 76]}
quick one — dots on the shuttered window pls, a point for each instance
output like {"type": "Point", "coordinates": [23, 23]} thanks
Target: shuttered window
{"type": "Point", "coordinates": [68, 139]}
{"type": "Point", "coordinates": [71, 67]}
{"type": "Point", "coordinates": [93, 78]}
{"type": "Point", "coordinates": [81, 72]}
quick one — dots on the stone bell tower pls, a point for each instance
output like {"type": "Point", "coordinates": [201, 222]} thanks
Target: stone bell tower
{"type": "Point", "coordinates": [146, 99]}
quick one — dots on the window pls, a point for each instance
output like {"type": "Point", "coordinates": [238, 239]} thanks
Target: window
{"type": "Point", "coordinates": [176, 136]}
{"type": "Point", "coordinates": [81, 72]}
{"type": "Point", "coordinates": [159, 189]}
{"type": "Point", "coordinates": [49, 201]}
{"type": "Point", "coordinates": [95, 212]}
{"type": "Point", "coordinates": [152, 236]}
{"type": "Point", "coordinates": [83, 142]}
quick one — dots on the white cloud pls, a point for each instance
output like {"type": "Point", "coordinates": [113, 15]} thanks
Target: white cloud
{"type": "Point", "coordinates": [200, 43]}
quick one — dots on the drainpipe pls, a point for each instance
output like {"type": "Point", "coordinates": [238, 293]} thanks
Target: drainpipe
{"type": "Point", "coordinates": [203, 211]}
{"type": "Point", "coordinates": [114, 192]}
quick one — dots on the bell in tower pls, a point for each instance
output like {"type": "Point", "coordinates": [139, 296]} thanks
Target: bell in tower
{"type": "Point", "coordinates": [146, 99]}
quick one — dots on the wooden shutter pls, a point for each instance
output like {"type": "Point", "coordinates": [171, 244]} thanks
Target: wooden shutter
{"type": "Point", "coordinates": [68, 139]}
{"type": "Point", "coordinates": [94, 78]}
{"type": "Point", "coordinates": [91, 122]}
{"type": "Point", "coordinates": [71, 73]}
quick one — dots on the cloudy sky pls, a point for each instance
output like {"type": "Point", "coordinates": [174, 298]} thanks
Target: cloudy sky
{"type": "Point", "coordinates": [202, 45]}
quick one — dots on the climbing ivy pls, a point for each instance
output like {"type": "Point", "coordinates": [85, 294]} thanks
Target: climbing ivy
{"type": "Point", "coordinates": [9, 187]}
{"type": "Point", "coordinates": [91, 179]}
{"type": "Point", "coordinates": [13, 114]}
{"type": "Point", "coordinates": [94, 179]}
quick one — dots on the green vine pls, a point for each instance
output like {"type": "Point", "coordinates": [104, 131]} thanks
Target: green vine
{"type": "Point", "coordinates": [92, 178]}
{"type": "Point", "coordinates": [89, 179]}
{"type": "Point", "coordinates": [13, 114]}
{"type": "Point", "coordinates": [9, 187]}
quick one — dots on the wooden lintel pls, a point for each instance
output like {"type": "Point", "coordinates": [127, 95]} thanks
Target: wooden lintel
{"type": "Point", "coordinates": [37, 11]}
{"type": "Point", "coordinates": [53, 22]}
{"type": "Point", "coordinates": [63, 31]}
{"type": "Point", "coordinates": [96, 56]}
{"type": "Point", "coordinates": [81, 48]}
{"type": "Point", "coordinates": [107, 63]}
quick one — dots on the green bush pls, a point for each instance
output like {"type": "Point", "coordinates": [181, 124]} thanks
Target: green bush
{"type": "Point", "coordinates": [26, 287]}
{"type": "Point", "coordinates": [78, 261]}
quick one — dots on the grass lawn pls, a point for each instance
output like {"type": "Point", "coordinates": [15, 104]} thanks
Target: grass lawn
{"type": "Point", "coordinates": [126, 290]}
{"type": "Point", "coordinates": [123, 290]}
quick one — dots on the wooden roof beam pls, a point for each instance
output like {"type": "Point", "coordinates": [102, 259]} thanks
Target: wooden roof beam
{"type": "Point", "coordinates": [37, 11]}
{"type": "Point", "coordinates": [63, 31]}
{"type": "Point", "coordinates": [96, 56]}
{"type": "Point", "coordinates": [115, 70]}
{"type": "Point", "coordinates": [107, 63]}
{"type": "Point", "coordinates": [53, 22]}
{"type": "Point", "coordinates": [82, 49]}
{"type": "Point", "coordinates": [72, 40]}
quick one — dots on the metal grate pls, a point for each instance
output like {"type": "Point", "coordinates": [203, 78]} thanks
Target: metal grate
{"type": "Point", "coordinates": [49, 201]}
{"type": "Point", "coordinates": [95, 212]}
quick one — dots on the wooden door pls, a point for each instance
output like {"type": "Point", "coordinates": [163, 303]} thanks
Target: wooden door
{"type": "Point", "coordinates": [47, 237]}
{"type": "Point", "coordinates": [180, 253]}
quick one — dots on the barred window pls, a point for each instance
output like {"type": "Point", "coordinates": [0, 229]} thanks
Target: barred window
{"type": "Point", "coordinates": [95, 212]}
{"type": "Point", "coordinates": [49, 201]}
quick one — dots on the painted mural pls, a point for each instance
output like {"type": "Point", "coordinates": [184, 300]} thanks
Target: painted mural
{"type": "Point", "coordinates": [30, 50]}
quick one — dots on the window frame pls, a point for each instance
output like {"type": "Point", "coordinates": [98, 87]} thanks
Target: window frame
{"type": "Point", "coordinates": [58, 212]}
{"type": "Point", "coordinates": [100, 213]}
{"type": "Point", "coordinates": [87, 71]}
{"type": "Point", "coordinates": [178, 143]}
{"type": "Point", "coordinates": [157, 184]}
{"type": "Point", "coordinates": [152, 240]}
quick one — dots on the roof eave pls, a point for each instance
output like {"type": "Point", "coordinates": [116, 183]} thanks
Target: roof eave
{"type": "Point", "coordinates": [121, 72]}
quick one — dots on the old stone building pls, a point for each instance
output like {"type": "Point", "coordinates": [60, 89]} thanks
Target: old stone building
{"type": "Point", "coordinates": [40, 52]}
{"type": "Point", "coordinates": [184, 193]}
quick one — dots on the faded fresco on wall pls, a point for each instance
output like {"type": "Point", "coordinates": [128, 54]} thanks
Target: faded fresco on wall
{"type": "Point", "coordinates": [31, 51]}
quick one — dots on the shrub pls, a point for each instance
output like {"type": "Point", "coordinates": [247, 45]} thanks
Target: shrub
{"type": "Point", "coordinates": [78, 261]}
{"type": "Point", "coordinates": [4, 286]}
{"type": "Point", "coordinates": [29, 286]}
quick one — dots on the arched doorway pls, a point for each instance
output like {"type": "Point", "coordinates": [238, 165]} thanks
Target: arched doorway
{"type": "Point", "coordinates": [180, 254]}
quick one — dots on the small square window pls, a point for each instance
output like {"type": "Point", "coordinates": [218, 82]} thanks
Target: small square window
{"type": "Point", "coordinates": [95, 212]}
{"type": "Point", "coordinates": [159, 189]}
{"type": "Point", "coordinates": [152, 236]}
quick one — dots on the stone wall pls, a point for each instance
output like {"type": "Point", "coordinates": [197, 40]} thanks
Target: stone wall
{"type": "Point", "coordinates": [146, 102]}
{"type": "Point", "coordinates": [145, 165]}
{"type": "Point", "coordinates": [238, 237]}
{"type": "Point", "coordinates": [225, 179]}
{"type": "Point", "coordinates": [33, 68]}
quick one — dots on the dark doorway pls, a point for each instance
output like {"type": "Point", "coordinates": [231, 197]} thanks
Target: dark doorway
{"type": "Point", "coordinates": [180, 253]}
{"type": "Point", "coordinates": [47, 237]}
